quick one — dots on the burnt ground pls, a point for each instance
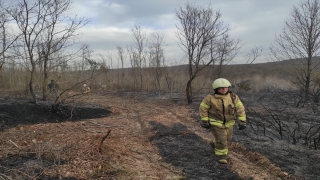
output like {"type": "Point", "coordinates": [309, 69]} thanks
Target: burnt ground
{"type": "Point", "coordinates": [189, 152]}
{"type": "Point", "coordinates": [150, 138]}
{"type": "Point", "coordinates": [298, 158]}
{"type": "Point", "coordinates": [16, 113]}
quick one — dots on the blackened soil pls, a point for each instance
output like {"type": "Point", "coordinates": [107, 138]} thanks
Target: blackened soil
{"type": "Point", "coordinates": [15, 112]}
{"type": "Point", "coordinates": [187, 151]}
{"type": "Point", "coordinates": [26, 167]}
{"type": "Point", "coordinates": [301, 162]}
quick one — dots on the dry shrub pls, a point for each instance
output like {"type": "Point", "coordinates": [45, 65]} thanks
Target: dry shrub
{"type": "Point", "coordinates": [257, 83]}
{"type": "Point", "coordinates": [23, 93]}
{"type": "Point", "coordinates": [275, 81]}
{"type": "Point", "coordinates": [72, 149]}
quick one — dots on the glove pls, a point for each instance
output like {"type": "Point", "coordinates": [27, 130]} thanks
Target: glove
{"type": "Point", "coordinates": [242, 126]}
{"type": "Point", "coordinates": [205, 124]}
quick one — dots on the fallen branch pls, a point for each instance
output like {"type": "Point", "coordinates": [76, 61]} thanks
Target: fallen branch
{"type": "Point", "coordinates": [14, 143]}
{"type": "Point", "coordinates": [71, 113]}
{"type": "Point", "coordinates": [104, 138]}
{"type": "Point", "coordinates": [15, 170]}
{"type": "Point", "coordinates": [2, 176]}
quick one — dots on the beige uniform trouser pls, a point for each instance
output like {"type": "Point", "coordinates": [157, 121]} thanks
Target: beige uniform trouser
{"type": "Point", "coordinates": [221, 140]}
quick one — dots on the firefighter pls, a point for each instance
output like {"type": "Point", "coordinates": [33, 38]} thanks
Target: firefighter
{"type": "Point", "coordinates": [53, 87]}
{"type": "Point", "coordinates": [86, 90]}
{"type": "Point", "coordinates": [218, 112]}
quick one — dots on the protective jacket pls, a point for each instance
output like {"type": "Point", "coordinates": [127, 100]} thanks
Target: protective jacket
{"type": "Point", "coordinates": [86, 89]}
{"type": "Point", "coordinates": [222, 110]}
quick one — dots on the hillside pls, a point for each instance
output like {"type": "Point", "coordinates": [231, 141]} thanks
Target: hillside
{"type": "Point", "coordinates": [261, 76]}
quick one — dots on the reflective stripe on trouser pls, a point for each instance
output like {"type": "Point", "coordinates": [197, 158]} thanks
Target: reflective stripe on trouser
{"type": "Point", "coordinates": [222, 137]}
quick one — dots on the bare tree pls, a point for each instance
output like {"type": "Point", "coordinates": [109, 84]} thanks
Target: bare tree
{"type": "Point", "coordinates": [44, 24]}
{"type": "Point", "coordinates": [204, 38]}
{"type": "Point", "coordinates": [121, 57]}
{"type": "Point", "coordinates": [157, 60]}
{"type": "Point", "coordinates": [110, 58]}
{"type": "Point", "coordinates": [134, 66]}
{"type": "Point", "coordinates": [300, 42]}
{"type": "Point", "coordinates": [222, 52]}
{"type": "Point", "coordinates": [94, 70]}
{"type": "Point", "coordinates": [86, 53]}
{"type": "Point", "coordinates": [7, 39]}
{"type": "Point", "coordinates": [137, 51]}
{"type": "Point", "coordinates": [253, 54]}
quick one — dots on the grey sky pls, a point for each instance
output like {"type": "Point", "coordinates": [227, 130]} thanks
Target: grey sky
{"type": "Point", "coordinates": [255, 22]}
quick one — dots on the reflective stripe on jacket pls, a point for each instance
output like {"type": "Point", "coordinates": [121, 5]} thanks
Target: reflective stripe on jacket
{"type": "Point", "coordinates": [221, 111]}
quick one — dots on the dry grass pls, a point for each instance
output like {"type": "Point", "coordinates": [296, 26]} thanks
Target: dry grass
{"type": "Point", "coordinates": [117, 146]}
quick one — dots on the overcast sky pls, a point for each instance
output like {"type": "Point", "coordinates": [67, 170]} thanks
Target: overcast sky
{"type": "Point", "coordinates": [255, 22]}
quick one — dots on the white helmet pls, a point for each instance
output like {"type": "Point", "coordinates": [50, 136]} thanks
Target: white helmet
{"type": "Point", "coordinates": [84, 85]}
{"type": "Point", "coordinates": [220, 82]}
